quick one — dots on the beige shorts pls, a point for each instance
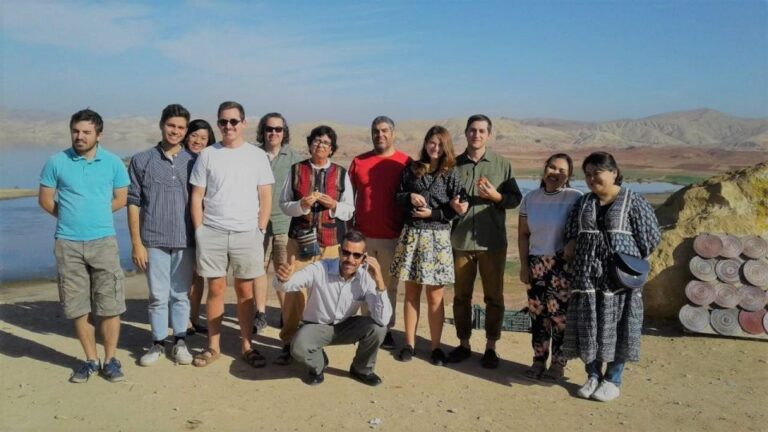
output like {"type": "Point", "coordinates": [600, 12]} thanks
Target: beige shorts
{"type": "Point", "coordinates": [217, 250]}
{"type": "Point", "coordinates": [90, 277]}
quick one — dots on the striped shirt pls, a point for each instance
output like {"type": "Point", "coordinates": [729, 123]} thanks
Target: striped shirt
{"type": "Point", "coordinates": [160, 187]}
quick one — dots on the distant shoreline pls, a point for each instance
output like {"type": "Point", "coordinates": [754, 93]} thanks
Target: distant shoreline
{"type": "Point", "coordinates": [6, 194]}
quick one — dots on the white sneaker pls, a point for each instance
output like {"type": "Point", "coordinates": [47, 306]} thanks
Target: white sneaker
{"type": "Point", "coordinates": [588, 388]}
{"type": "Point", "coordinates": [181, 354]}
{"type": "Point", "coordinates": [607, 392]}
{"type": "Point", "coordinates": [153, 355]}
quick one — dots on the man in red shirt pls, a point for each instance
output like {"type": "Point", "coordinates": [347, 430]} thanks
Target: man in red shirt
{"type": "Point", "coordinates": [375, 177]}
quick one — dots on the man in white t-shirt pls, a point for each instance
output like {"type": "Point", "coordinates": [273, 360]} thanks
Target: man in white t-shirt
{"type": "Point", "coordinates": [230, 205]}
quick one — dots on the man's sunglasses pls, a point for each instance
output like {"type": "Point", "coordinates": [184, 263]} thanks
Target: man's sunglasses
{"type": "Point", "coordinates": [223, 122]}
{"type": "Point", "coordinates": [356, 255]}
{"type": "Point", "coordinates": [278, 129]}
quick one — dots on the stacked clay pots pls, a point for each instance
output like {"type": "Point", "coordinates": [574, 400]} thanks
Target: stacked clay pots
{"type": "Point", "coordinates": [727, 294]}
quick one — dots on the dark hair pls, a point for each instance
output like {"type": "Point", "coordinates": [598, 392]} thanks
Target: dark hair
{"type": "Point", "coordinates": [603, 161]}
{"type": "Point", "coordinates": [478, 117]}
{"type": "Point", "coordinates": [231, 105]}
{"type": "Point", "coordinates": [383, 119]}
{"type": "Point", "coordinates": [196, 125]}
{"type": "Point", "coordinates": [447, 160]}
{"type": "Point", "coordinates": [173, 110]}
{"type": "Point", "coordinates": [353, 236]}
{"type": "Point", "coordinates": [87, 115]}
{"type": "Point", "coordinates": [570, 166]}
{"type": "Point", "coordinates": [263, 122]}
{"type": "Point", "coordinates": [320, 131]}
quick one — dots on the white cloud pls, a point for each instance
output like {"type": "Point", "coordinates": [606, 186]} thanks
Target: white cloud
{"type": "Point", "coordinates": [110, 28]}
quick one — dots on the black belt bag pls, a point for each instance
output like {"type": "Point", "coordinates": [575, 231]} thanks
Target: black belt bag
{"type": "Point", "coordinates": [627, 271]}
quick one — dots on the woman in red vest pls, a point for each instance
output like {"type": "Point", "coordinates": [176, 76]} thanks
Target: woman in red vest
{"type": "Point", "coordinates": [318, 197]}
{"type": "Point", "coordinates": [430, 192]}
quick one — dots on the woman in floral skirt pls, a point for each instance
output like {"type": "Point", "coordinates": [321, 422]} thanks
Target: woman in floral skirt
{"type": "Point", "coordinates": [430, 194]}
{"type": "Point", "coordinates": [543, 214]}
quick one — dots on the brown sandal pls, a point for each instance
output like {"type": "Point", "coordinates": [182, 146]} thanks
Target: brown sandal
{"type": "Point", "coordinates": [206, 357]}
{"type": "Point", "coordinates": [536, 370]}
{"type": "Point", "coordinates": [254, 358]}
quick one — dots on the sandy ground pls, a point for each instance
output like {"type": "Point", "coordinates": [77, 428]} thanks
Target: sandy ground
{"type": "Point", "coordinates": [682, 383]}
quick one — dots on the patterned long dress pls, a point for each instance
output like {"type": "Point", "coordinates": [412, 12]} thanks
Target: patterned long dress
{"type": "Point", "coordinates": [604, 322]}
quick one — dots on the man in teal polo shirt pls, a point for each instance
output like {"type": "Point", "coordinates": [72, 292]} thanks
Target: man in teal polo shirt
{"type": "Point", "coordinates": [81, 187]}
{"type": "Point", "coordinates": [479, 238]}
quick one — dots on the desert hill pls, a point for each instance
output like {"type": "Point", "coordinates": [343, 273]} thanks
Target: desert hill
{"type": "Point", "coordinates": [703, 128]}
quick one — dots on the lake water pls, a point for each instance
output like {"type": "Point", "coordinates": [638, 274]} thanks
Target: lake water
{"type": "Point", "coordinates": [26, 233]}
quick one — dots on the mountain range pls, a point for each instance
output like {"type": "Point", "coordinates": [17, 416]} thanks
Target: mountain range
{"type": "Point", "coordinates": [702, 128]}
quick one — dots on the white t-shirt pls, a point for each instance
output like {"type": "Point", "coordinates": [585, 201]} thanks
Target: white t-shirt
{"type": "Point", "coordinates": [231, 177]}
{"type": "Point", "coordinates": [547, 213]}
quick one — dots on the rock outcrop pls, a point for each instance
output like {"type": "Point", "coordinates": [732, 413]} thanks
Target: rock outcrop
{"type": "Point", "coordinates": [733, 203]}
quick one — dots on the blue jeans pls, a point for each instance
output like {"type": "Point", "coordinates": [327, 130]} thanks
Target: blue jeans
{"type": "Point", "coordinates": [169, 276]}
{"type": "Point", "coordinates": [612, 372]}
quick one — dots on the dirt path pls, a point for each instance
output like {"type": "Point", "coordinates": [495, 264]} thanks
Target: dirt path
{"type": "Point", "coordinates": [683, 383]}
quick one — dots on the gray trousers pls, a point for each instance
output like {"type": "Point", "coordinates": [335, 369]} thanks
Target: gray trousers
{"type": "Point", "coordinates": [307, 346]}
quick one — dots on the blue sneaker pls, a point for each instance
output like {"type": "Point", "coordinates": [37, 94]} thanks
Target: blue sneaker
{"type": "Point", "coordinates": [81, 374]}
{"type": "Point", "coordinates": [112, 371]}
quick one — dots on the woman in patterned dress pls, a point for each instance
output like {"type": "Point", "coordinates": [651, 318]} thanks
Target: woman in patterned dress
{"type": "Point", "coordinates": [543, 214]}
{"type": "Point", "coordinates": [604, 321]}
{"type": "Point", "coordinates": [430, 193]}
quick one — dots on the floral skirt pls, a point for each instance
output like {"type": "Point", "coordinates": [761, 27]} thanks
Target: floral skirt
{"type": "Point", "coordinates": [424, 256]}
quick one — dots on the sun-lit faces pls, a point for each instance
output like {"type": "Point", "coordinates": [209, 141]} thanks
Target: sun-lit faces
{"type": "Point", "coordinates": [383, 138]}
{"type": "Point", "coordinates": [173, 130]}
{"type": "Point", "coordinates": [599, 181]}
{"type": "Point", "coordinates": [348, 251]}
{"type": "Point", "coordinates": [274, 132]}
{"type": "Point", "coordinates": [477, 134]}
{"type": "Point", "coordinates": [231, 132]}
{"type": "Point", "coordinates": [555, 174]}
{"type": "Point", "coordinates": [320, 149]}
{"type": "Point", "coordinates": [84, 137]}
{"type": "Point", "coordinates": [198, 140]}
{"type": "Point", "coordinates": [434, 149]}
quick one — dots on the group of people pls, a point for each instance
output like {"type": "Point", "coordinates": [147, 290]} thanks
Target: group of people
{"type": "Point", "coordinates": [340, 241]}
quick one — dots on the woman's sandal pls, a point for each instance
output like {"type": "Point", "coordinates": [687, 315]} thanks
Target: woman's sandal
{"type": "Point", "coordinates": [206, 357]}
{"type": "Point", "coordinates": [254, 358]}
{"type": "Point", "coordinates": [536, 370]}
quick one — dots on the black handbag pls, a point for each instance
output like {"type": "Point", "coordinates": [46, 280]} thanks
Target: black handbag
{"type": "Point", "coordinates": [624, 270]}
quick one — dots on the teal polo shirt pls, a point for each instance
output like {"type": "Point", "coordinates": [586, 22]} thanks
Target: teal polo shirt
{"type": "Point", "coordinates": [84, 190]}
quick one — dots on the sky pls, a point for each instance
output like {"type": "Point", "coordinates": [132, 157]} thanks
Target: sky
{"type": "Point", "coordinates": [351, 61]}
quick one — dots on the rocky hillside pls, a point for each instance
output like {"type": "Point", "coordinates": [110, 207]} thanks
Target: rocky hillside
{"type": "Point", "coordinates": [733, 203]}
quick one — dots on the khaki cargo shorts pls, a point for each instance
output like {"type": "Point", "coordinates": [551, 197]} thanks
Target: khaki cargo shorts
{"type": "Point", "coordinates": [90, 277]}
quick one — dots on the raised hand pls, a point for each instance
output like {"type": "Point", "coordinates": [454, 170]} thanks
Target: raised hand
{"type": "Point", "coordinates": [486, 190]}
{"type": "Point", "coordinates": [374, 269]}
{"type": "Point", "coordinates": [285, 270]}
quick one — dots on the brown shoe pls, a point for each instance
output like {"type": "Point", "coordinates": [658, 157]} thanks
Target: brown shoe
{"type": "Point", "coordinates": [555, 372]}
{"type": "Point", "coordinates": [536, 370]}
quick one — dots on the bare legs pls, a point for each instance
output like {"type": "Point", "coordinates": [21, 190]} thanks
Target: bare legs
{"type": "Point", "coordinates": [195, 298]}
{"type": "Point", "coordinates": [86, 334]}
{"type": "Point", "coordinates": [215, 308]}
{"type": "Point", "coordinates": [435, 312]}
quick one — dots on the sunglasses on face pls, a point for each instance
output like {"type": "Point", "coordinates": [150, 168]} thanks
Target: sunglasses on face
{"type": "Point", "coordinates": [223, 122]}
{"type": "Point", "coordinates": [356, 255]}
{"type": "Point", "coordinates": [269, 129]}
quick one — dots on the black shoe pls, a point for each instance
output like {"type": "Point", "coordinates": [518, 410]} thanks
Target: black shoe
{"type": "Point", "coordinates": [325, 359]}
{"type": "Point", "coordinates": [389, 341]}
{"type": "Point", "coordinates": [285, 356]}
{"type": "Point", "coordinates": [197, 328]}
{"type": "Point", "coordinates": [314, 379]}
{"type": "Point", "coordinates": [459, 354]}
{"type": "Point", "coordinates": [490, 360]}
{"type": "Point", "coordinates": [406, 353]}
{"type": "Point", "coordinates": [438, 357]}
{"type": "Point", "coordinates": [370, 378]}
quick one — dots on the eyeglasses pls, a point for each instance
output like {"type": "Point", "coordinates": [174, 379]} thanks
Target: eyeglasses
{"type": "Point", "coordinates": [269, 129]}
{"type": "Point", "coordinates": [317, 142]}
{"type": "Point", "coordinates": [356, 255]}
{"type": "Point", "coordinates": [233, 122]}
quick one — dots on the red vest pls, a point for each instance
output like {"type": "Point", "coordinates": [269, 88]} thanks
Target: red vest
{"type": "Point", "coordinates": [329, 181]}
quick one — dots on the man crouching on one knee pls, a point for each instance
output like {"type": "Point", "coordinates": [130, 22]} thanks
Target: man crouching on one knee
{"type": "Point", "coordinates": [336, 288]}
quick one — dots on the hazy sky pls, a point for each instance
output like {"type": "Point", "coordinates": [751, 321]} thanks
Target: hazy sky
{"type": "Point", "coordinates": [350, 61]}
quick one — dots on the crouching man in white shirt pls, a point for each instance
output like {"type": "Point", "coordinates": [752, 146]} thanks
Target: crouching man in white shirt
{"type": "Point", "coordinates": [336, 288]}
